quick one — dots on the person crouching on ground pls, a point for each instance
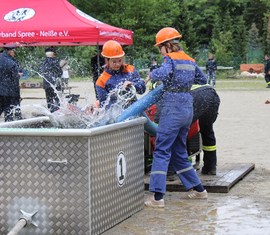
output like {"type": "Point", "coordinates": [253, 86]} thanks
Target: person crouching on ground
{"type": "Point", "coordinates": [178, 72]}
{"type": "Point", "coordinates": [116, 72]}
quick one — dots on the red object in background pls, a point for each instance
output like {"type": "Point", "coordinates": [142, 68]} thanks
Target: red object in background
{"type": "Point", "coordinates": [54, 22]}
{"type": "Point", "coordinates": [151, 111]}
{"type": "Point", "coordinates": [194, 128]}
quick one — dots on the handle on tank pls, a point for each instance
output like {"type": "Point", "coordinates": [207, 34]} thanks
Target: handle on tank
{"type": "Point", "coordinates": [64, 161]}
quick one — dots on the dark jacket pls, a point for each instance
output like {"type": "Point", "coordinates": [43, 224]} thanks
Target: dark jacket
{"type": "Point", "coordinates": [211, 65]}
{"type": "Point", "coordinates": [205, 102]}
{"type": "Point", "coordinates": [267, 69]}
{"type": "Point", "coordinates": [51, 71]}
{"type": "Point", "coordinates": [9, 76]}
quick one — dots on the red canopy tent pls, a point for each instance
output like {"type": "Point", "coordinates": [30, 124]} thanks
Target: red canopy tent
{"type": "Point", "coordinates": [54, 22]}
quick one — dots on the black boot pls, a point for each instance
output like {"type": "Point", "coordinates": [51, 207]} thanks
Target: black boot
{"type": "Point", "coordinates": [210, 162]}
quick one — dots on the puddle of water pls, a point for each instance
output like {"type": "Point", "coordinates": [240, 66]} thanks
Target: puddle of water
{"type": "Point", "coordinates": [220, 214]}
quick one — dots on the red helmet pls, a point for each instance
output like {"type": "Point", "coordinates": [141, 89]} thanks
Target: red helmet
{"type": "Point", "coordinates": [167, 34]}
{"type": "Point", "coordinates": [112, 49]}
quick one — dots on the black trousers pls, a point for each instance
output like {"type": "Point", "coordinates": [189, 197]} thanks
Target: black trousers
{"type": "Point", "coordinates": [10, 105]}
{"type": "Point", "coordinates": [53, 102]}
{"type": "Point", "coordinates": [205, 107]}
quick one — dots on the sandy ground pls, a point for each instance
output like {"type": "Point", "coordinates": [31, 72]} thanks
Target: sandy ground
{"type": "Point", "coordinates": [242, 131]}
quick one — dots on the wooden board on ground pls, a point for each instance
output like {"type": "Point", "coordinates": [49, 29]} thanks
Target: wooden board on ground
{"type": "Point", "coordinates": [227, 176]}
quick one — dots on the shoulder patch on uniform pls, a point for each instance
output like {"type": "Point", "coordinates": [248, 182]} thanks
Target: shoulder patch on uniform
{"type": "Point", "coordinates": [128, 68]}
{"type": "Point", "coordinates": [102, 79]}
{"type": "Point", "coordinates": [181, 55]}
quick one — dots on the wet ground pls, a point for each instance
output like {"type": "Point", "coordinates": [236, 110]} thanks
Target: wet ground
{"type": "Point", "coordinates": [241, 211]}
{"type": "Point", "coordinates": [242, 131]}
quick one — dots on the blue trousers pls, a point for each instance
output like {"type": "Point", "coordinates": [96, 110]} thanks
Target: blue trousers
{"type": "Point", "coordinates": [211, 75]}
{"type": "Point", "coordinates": [171, 144]}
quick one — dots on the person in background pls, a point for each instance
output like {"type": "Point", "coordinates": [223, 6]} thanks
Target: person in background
{"type": "Point", "coordinates": [154, 64]}
{"type": "Point", "coordinates": [65, 75]}
{"type": "Point", "coordinates": [178, 72]}
{"type": "Point", "coordinates": [116, 73]}
{"type": "Point", "coordinates": [267, 70]}
{"type": "Point", "coordinates": [97, 63]}
{"type": "Point", "coordinates": [9, 85]}
{"type": "Point", "coordinates": [51, 72]}
{"type": "Point", "coordinates": [211, 67]}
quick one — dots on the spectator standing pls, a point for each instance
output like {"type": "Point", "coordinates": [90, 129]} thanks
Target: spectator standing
{"type": "Point", "coordinates": [97, 63]}
{"type": "Point", "coordinates": [51, 71]}
{"type": "Point", "coordinates": [267, 70]}
{"type": "Point", "coordinates": [65, 75]}
{"type": "Point", "coordinates": [9, 85]}
{"type": "Point", "coordinates": [154, 64]}
{"type": "Point", "coordinates": [211, 67]}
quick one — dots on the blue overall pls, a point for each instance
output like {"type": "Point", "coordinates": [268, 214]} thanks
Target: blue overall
{"type": "Point", "coordinates": [177, 72]}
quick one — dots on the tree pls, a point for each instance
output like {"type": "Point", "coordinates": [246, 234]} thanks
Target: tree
{"type": "Point", "coordinates": [254, 45]}
{"type": "Point", "coordinates": [239, 41]}
{"type": "Point", "coordinates": [223, 47]}
{"type": "Point", "coordinates": [184, 25]}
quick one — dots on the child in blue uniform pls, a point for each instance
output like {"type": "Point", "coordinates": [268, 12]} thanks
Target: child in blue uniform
{"type": "Point", "coordinates": [177, 72]}
{"type": "Point", "coordinates": [116, 72]}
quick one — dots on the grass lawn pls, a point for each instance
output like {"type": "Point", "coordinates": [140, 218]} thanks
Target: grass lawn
{"type": "Point", "coordinates": [221, 83]}
{"type": "Point", "coordinates": [241, 84]}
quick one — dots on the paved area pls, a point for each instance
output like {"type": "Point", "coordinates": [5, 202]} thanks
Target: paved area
{"type": "Point", "coordinates": [242, 137]}
{"type": "Point", "coordinates": [242, 131]}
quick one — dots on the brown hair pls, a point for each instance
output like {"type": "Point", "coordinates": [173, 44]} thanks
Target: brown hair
{"type": "Point", "coordinates": [173, 46]}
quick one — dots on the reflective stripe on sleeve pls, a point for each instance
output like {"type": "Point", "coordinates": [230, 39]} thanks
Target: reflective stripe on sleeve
{"type": "Point", "coordinates": [209, 148]}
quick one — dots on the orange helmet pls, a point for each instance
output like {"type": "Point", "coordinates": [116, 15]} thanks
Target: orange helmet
{"type": "Point", "coordinates": [167, 34]}
{"type": "Point", "coordinates": [112, 49]}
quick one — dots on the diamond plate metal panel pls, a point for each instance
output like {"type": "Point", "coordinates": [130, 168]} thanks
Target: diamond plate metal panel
{"type": "Point", "coordinates": [60, 192]}
{"type": "Point", "coordinates": [110, 203]}
{"type": "Point", "coordinates": [81, 193]}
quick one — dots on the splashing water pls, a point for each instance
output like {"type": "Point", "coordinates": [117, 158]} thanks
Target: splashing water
{"type": "Point", "coordinates": [70, 115]}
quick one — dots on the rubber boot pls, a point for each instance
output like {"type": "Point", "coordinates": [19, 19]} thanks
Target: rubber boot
{"type": "Point", "coordinates": [210, 162]}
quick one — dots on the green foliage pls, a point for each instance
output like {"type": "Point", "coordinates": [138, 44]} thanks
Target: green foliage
{"type": "Point", "coordinates": [223, 48]}
{"type": "Point", "coordinates": [240, 42]}
{"type": "Point", "coordinates": [255, 53]}
{"type": "Point", "coordinates": [78, 58]}
{"type": "Point", "coordinates": [222, 27]}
